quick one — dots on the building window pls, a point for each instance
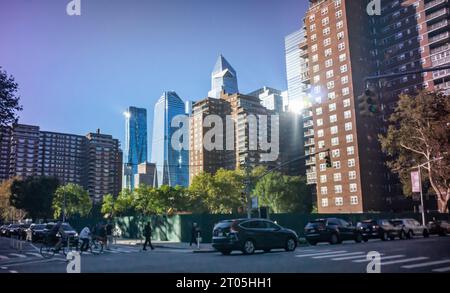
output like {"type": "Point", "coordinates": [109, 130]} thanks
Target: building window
{"type": "Point", "coordinates": [320, 133]}
{"type": "Point", "coordinates": [322, 155]}
{"type": "Point", "coordinates": [339, 201]}
{"type": "Point", "coordinates": [346, 103]}
{"type": "Point", "coordinates": [345, 91]}
{"type": "Point", "coordinates": [324, 202]}
{"type": "Point", "coordinates": [323, 167]}
{"type": "Point", "coordinates": [348, 126]}
{"type": "Point", "coordinates": [336, 153]}
{"type": "Point", "coordinates": [337, 165]}
{"type": "Point", "coordinates": [312, 18]}
{"type": "Point", "coordinates": [337, 3]}
{"type": "Point", "coordinates": [341, 46]}
{"type": "Point", "coordinates": [338, 189]}
{"type": "Point", "coordinates": [340, 35]}
{"type": "Point", "coordinates": [312, 27]}
{"type": "Point", "coordinates": [329, 63]}
{"type": "Point", "coordinates": [352, 175]}
{"type": "Point", "coordinates": [330, 85]}
{"type": "Point", "coordinates": [316, 78]}
{"type": "Point", "coordinates": [324, 11]}
{"type": "Point", "coordinates": [331, 95]}
{"type": "Point", "coordinates": [328, 52]}
{"type": "Point", "coordinates": [337, 177]}
{"type": "Point", "coordinates": [330, 74]}
{"type": "Point", "coordinates": [344, 68]}
{"type": "Point", "coordinates": [323, 179]}
{"type": "Point", "coordinates": [342, 57]}
{"type": "Point", "coordinates": [314, 37]}
{"type": "Point", "coordinates": [350, 150]}
{"type": "Point", "coordinates": [353, 187]}
{"type": "Point", "coordinates": [321, 144]}
{"type": "Point", "coordinates": [339, 24]}
{"type": "Point", "coordinates": [316, 68]}
{"type": "Point", "coordinates": [325, 21]}
{"type": "Point", "coordinates": [334, 129]}
{"type": "Point", "coordinates": [335, 141]}
{"type": "Point", "coordinates": [339, 14]}
{"type": "Point", "coordinates": [333, 118]}
{"type": "Point", "coordinates": [326, 31]}
{"type": "Point", "coordinates": [353, 200]}
{"type": "Point", "coordinates": [314, 48]}
{"type": "Point", "coordinates": [327, 42]}
{"type": "Point", "coordinates": [315, 58]}
{"type": "Point", "coordinates": [351, 163]}
{"type": "Point", "coordinates": [348, 114]}
{"type": "Point", "coordinates": [319, 111]}
{"type": "Point", "coordinates": [319, 122]}
{"type": "Point", "coordinates": [332, 107]}
{"type": "Point", "coordinates": [344, 79]}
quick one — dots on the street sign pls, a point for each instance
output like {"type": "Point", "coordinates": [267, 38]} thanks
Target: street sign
{"type": "Point", "coordinates": [254, 202]}
{"type": "Point", "coordinates": [415, 181]}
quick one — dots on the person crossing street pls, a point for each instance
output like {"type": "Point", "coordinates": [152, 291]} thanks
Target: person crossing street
{"type": "Point", "coordinates": [148, 236]}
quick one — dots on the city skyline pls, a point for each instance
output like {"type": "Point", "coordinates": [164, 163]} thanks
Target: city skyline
{"type": "Point", "coordinates": [139, 76]}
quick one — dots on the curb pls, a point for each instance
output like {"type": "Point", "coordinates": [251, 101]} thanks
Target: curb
{"type": "Point", "coordinates": [204, 251]}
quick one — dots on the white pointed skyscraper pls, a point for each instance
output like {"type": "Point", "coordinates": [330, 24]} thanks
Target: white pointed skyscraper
{"type": "Point", "coordinates": [223, 78]}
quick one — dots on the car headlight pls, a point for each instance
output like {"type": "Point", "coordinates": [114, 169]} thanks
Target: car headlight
{"type": "Point", "coordinates": [75, 235]}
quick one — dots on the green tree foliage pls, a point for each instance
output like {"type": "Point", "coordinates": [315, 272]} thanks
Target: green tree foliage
{"type": "Point", "coordinates": [109, 205]}
{"type": "Point", "coordinates": [419, 133]}
{"type": "Point", "coordinates": [7, 211]}
{"type": "Point", "coordinates": [9, 100]}
{"type": "Point", "coordinates": [284, 194]}
{"type": "Point", "coordinates": [77, 201]}
{"type": "Point", "coordinates": [34, 195]}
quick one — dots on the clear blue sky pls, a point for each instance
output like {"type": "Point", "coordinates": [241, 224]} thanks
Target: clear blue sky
{"type": "Point", "coordinates": [77, 74]}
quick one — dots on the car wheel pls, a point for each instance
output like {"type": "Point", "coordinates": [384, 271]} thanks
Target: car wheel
{"type": "Point", "coordinates": [249, 247]}
{"type": "Point", "coordinates": [226, 252]}
{"type": "Point", "coordinates": [291, 244]}
{"type": "Point", "coordinates": [334, 239]}
{"type": "Point", "coordinates": [358, 238]}
{"type": "Point", "coordinates": [410, 234]}
{"type": "Point", "coordinates": [384, 236]}
{"type": "Point", "coordinates": [426, 234]}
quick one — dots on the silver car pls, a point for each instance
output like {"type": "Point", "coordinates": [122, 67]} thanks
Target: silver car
{"type": "Point", "coordinates": [411, 228]}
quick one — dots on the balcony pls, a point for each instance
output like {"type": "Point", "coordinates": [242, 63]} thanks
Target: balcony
{"type": "Point", "coordinates": [309, 142]}
{"type": "Point", "coordinates": [309, 133]}
{"type": "Point", "coordinates": [437, 14]}
{"type": "Point", "coordinates": [304, 44]}
{"type": "Point", "coordinates": [307, 114]}
{"type": "Point", "coordinates": [305, 77]}
{"type": "Point", "coordinates": [308, 124]}
{"type": "Point", "coordinates": [441, 74]}
{"type": "Point", "coordinates": [434, 3]}
{"type": "Point", "coordinates": [438, 38]}
{"type": "Point", "coordinates": [441, 61]}
{"type": "Point", "coordinates": [438, 25]}
{"type": "Point", "coordinates": [310, 162]}
{"type": "Point", "coordinates": [304, 53]}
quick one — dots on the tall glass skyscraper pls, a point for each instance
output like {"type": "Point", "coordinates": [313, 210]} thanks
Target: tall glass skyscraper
{"type": "Point", "coordinates": [135, 144]}
{"type": "Point", "coordinates": [296, 69]}
{"type": "Point", "coordinates": [223, 78]}
{"type": "Point", "coordinates": [172, 166]}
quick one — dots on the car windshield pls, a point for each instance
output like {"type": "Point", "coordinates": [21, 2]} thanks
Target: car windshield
{"type": "Point", "coordinates": [315, 223]}
{"type": "Point", "coordinates": [39, 227]}
{"type": "Point", "coordinates": [397, 222]}
{"type": "Point", "coordinates": [67, 227]}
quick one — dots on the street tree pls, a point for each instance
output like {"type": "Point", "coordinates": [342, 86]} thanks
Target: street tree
{"type": "Point", "coordinates": [7, 211]}
{"type": "Point", "coordinates": [9, 100]}
{"type": "Point", "coordinates": [73, 200]}
{"type": "Point", "coordinates": [34, 195]}
{"type": "Point", "coordinates": [419, 133]}
{"type": "Point", "coordinates": [108, 205]}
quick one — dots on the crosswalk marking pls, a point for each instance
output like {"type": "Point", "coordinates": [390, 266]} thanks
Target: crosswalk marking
{"type": "Point", "coordinates": [3, 257]}
{"type": "Point", "coordinates": [18, 255]}
{"type": "Point", "coordinates": [34, 254]}
{"type": "Point", "coordinates": [403, 260]}
{"type": "Point", "coordinates": [351, 257]}
{"type": "Point", "coordinates": [442, 270]}
{"type": "Point", "coordinates": [337, 255]}
{"type": "Point", "coordinates": [321, 253]}
{"type": "Point", "coordinates": [383, 258]}
{"type": "Point", "coordinates": [426, 264]}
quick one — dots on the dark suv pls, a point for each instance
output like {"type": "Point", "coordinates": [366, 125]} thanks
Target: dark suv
{"type": "Point", "coordinates": [332, 230]}
{"type": "Point", "coordinates": [248, 235]}
{"type": "Point", "coordinates": [379, 229]}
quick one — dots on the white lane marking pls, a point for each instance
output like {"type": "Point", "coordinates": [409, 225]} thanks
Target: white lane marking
{"type": "Point", "coordinates": [34, 254]}
{"type": "Point", "coordinates": [4, 268]}
{"type": "Point", "coordinates": [351, 257]}
{"type": "Point", "coordinates": [442, 270]}
{"type": "Point", "coordinates": [383, 258]}
{"type": "Point", "coordinates": [314, 250]}
{"type": "Point", "coordinates": [321, 253]}
{"type": "Point", "coordinates": [18, 255]}
{"type": "Point", "coordinates": [13, 272]}
{"type": "Point", "coordinates": [426, 264]}
{"type": "Point", "coordinates": [35, 248]}
{"type": "Point", "coordinates": [340, 254]}
{"type": "Point", "coordinates": [3, 257]}
{"type": "Point", "coordinates": [403, 260]}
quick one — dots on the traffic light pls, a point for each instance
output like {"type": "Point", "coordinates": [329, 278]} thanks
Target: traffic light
{"type": "Point", "coordinates": [328, 160]}
{"type": "Point", "coordinates": [367, 103]}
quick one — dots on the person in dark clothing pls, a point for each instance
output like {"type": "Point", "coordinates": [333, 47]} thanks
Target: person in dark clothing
{"type": "Point", "coordinates": [148, 236]}
{"type": "Point", "coordinates": [109, 235]}
{"type": "Point", "coordinates": [194, 233]}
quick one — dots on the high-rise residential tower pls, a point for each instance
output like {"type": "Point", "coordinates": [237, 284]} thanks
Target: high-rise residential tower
{"type": "Point", "coordinates": [135, 144]}
{"type": "Point", "coordinates": [223, 79]}
{"type": "Point", "coordinates": [172, 162]}
{"type": "Point", "coordinates": [272, 99]}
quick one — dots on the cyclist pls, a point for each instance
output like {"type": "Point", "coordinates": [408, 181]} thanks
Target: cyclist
{"type": "Point", "coordinates": [85, 237]}
{"type": "Point", "coordinates": [57, 229]}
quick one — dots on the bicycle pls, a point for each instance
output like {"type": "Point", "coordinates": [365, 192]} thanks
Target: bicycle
{"type": "Point", "coordinates": [48, 248]}
{"type": "Point", "coordinates": [95, 246]}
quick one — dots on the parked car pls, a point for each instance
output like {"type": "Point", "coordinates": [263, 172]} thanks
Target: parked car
{"type": "Point", "coordinates": [410, 228]}
{"type": "Point", "coordinates": [12, 230]}
{"type": "Point", "coordinates": [35, 232]}
{"type": "Point", "coordinates": [441, 228]}
{"type": "Point", "coordinates": [332, 230]}
{"type": "Point", "coordinates": [68, 230]}
{"type": "Point", "coordinates": [3, 229]}
{"type": "Point", "coordinates": [379, 229]}
{"type": "Point", "coordinates": [248, 235]}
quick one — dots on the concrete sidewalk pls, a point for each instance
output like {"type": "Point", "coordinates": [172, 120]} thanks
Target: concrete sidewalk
{"type": "Point", "coordinates": [204, 247]}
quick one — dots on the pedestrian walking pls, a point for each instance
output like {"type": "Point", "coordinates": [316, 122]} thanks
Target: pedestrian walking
{"type": "Point", "coordinates": [109, 235]}
{"type": "Point", "coordinates": [195, 231]}
{"type": "Point", "coordinates": [148, 236]}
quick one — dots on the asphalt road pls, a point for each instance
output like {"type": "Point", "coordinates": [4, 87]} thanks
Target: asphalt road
{"type": "Point", "coordinates": [430, 255]}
